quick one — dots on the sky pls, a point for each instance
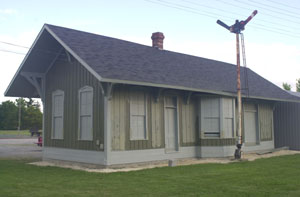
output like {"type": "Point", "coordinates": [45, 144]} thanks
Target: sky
{"type": "Point", "coordinates": [272, 37]}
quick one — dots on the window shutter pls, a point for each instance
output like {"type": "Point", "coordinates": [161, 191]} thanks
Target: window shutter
{"type": "Point", "coordinates": [86, 113]}
{"type": "Point", "coordinates": [210, 112]}
{"type": "Point", "coordinates": [228, 117]}
{"type": "Point", "coordinates": [57, 114]}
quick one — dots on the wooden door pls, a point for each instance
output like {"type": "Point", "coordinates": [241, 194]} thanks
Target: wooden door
{"type": "Point", "coordinates": [250, 127]}
{"type": "Point", "coordinates": [171, 124]}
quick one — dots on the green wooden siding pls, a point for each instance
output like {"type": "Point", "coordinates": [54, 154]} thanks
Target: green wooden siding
{"type": "Point", "coordinates": [287, 125]}
{"type": "Point", "coordinates": [265, 118]}
{"type": "Point", "coordinates": [120, 121]}
{"type": "Point", "coordinates": [70, 77]}
{"type": "Point", "coordinates": [188, 121]}
{"type": "Point", "coordinates": [157, 122]}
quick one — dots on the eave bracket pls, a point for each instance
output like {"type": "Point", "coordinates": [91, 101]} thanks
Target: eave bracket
{"type": "Point", "coordinates": [37, 80]}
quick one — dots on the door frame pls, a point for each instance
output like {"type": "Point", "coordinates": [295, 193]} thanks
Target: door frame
{"type": "Point", "coordinates": [177, 125]}
{"type": "Point", "coordinates": [257, 142]}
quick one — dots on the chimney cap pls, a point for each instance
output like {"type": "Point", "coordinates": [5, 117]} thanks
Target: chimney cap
{"type": "Point", "coordinates": [157, 35]}
{"type": "Point", "coordinates": [158, 40]}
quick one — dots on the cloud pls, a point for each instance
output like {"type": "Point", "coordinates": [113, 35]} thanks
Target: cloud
{"type": "Point", "coordinates": [276, 62]}
{"type": "Point", "coordinates": [8, 11]}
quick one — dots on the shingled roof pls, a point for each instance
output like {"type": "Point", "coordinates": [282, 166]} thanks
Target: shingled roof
{"type": "Point", "coordinates": [119, 61]}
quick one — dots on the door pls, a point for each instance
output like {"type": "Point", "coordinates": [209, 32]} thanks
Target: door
{"type": "Point", "coordinates": [171, 122]}
{"type": "Point", "coordinates": [250, 127]}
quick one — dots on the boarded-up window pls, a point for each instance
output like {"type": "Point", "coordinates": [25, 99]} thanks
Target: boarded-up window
{"type": "Point", "coordinates": [210, 116]}
{"type": "Point", "coordinates": [86, 113]}
{"type": "Point", "coordinates": [266, 122]}
{"type": "Point", "coordinates": [138, 115]}
{"type": "Point", "coordinates": [228, 117]}
{"type": "Point", "coordinates": [57, 114]}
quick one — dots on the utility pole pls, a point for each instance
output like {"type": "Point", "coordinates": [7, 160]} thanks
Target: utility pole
{"type": "Point", "coordinates": [237, 28]}
{"type": "Point", "coordinates": [19, 116]}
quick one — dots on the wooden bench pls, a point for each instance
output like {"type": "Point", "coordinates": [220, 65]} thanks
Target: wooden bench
{"type": "Point", "coordinates": [35, 132]}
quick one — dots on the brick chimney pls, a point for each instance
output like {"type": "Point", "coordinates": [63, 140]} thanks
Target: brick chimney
{"type": "Point", "coordinates": [158, 40]}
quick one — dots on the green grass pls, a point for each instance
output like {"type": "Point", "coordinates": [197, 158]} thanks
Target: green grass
{"type": "Point", "coordinates": [15, 132]}
{"type": "Point", "coordinates": [277, 176]}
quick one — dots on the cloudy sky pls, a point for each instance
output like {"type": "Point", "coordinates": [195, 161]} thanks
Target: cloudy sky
{"type": "Point", "coordinates": [272, 38]}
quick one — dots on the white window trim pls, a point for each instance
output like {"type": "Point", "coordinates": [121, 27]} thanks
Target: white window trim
{"type": "Point", "coordinates": [57, 93]}
{"type": "Point", "coordinates": [146, 112]}
{"type": "Point", "coordinates": [85, 89]}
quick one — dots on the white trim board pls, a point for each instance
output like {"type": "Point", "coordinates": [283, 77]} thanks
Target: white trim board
{"type": "Point", "coordinates": [82, 156]}
{"type": "Point", "coordinates": [149, 155]}
{"type": "Point", "coordinates": [217, 151]}
{"type": "Point", "coordinates": [136, 156]}
{"type": "Point", "coordinates": [264, 145]}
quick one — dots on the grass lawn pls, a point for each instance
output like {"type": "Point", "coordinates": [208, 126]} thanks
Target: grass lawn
{"type": "Point", "coordinates": [15, 134]}
{"type": "Point", "coordinates": [277, 176]}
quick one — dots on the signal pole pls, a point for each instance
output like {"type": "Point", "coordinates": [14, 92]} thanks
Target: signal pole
{"type": "Point", "coordinates": [237, 28]}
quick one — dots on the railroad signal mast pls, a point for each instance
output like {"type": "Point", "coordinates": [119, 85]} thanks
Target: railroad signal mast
{"type": "Point", "coordinates": [236, 29]}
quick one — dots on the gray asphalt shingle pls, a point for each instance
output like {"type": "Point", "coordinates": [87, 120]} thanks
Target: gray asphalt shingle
{"type": "Point", "coordinates": [118, 59]}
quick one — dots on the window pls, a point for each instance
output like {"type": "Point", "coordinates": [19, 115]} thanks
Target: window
{"type": "Point", "coordinates": [57, 114]}
{"type": "Point", "coordinates": [138, 115]}
{"type": "Point", "coordinates": [86, 113]}
{"type": "Point", "coordinates": [210, 116]}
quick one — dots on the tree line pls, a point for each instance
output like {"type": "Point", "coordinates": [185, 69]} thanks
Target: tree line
{"type": "Point", "coordinates": [25, 113]}
{"type": "Point", "coordinates": [288, 87]}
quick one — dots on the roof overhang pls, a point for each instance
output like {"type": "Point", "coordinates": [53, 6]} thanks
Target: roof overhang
{"type": "Point", "coordinates": [48, 46]}
{"type": "Point", "coordinates": [39, 59]}
{"type": "Point", "coordinates": [223, 93]}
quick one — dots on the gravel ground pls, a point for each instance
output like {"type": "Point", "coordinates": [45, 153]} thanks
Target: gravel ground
{"type": "Point", "coordinates": [248, 157]}
{"type": "Point", "coordinates": [20, 148]}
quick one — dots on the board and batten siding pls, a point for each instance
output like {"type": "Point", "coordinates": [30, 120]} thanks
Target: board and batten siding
{"type": "Point", "coordinates": [287, 125]}
{"type": "Point", "coordinates": [69, 77]}
{"type": "Point", "coordinates": [155, 136]}
{"type": "Point", "coordinates": [265, 114]}
{"type": "Point", "coordinates": [120, 121]}
{"type": "Point", "coordinates": [225, 116]}
{"type": "Point", "coordinates": [188, 121]}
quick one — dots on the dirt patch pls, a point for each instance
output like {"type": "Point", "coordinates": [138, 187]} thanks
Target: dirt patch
{"type": "Point", "coordinates": [254, 156]}
{"type": "Point", "coordinates": [181, 162]}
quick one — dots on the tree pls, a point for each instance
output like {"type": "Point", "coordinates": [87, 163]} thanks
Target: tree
{"type": "Point", "coordinates": [8, 115]}
{"type": "Point", "coordinates": [298, 85]}
{"type": "Point", "coordinates": [31, 115]}
{"type": "Point", "coordinates": [286, 86]}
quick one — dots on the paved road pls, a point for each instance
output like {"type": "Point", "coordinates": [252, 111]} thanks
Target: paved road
{"type": "Point", "coordinates": [20, 148]}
